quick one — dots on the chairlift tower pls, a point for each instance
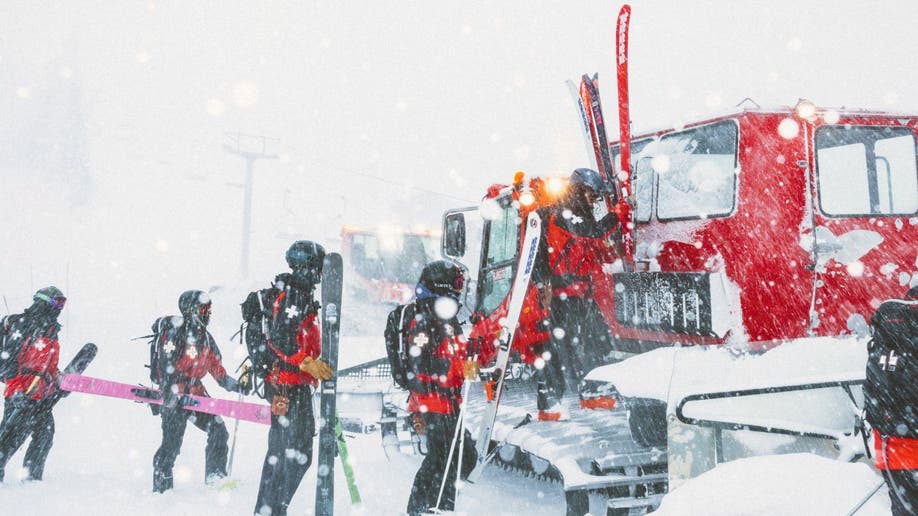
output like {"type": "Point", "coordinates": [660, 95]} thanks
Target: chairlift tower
{"type": "Point", "coordinates": [250, 148]}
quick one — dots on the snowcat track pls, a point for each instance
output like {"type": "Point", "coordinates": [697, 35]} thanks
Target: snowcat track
{"type": "Point", "coordinates": [592, 455]}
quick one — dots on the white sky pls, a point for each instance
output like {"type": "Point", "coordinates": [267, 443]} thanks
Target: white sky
{"type": "Point", "coordinates": [374, 105]}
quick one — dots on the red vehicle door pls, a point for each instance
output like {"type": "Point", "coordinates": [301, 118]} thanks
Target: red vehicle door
{"type": "Point", "coordinates": [865, 196]}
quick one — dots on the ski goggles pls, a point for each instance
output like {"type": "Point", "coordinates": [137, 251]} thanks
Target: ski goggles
{"type": "Point", "coordinates": [56, 302]}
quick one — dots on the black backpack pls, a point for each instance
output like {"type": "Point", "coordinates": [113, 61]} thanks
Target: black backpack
{"type": "Point", "coordinates": [10, 347]}
{"type": "Point", "coordinates": [397, 325]}
{"type": "Point", "coordinates": [273, 316]}
{"type": "Point", "coordinates": [891, 387]}
{"type": "Point", "coordinates": [163, 335]}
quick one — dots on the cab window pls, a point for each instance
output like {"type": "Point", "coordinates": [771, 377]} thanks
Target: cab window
{"type": "Point", "coordinates": [866, 170]}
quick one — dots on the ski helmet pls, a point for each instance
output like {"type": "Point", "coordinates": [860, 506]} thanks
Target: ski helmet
{"type": "Point", "coordinates": [195, 306]}
{"type": "Point", "coordinates": [443, 278]}
{"type": "Point", "coordinates": [588, 179]}
{"type": "Point", "coordinates": [306, 255]}
{"type": "Point", "coordinates": [52, 296]}
{"type": "Point", "coordinates": [586, 187]}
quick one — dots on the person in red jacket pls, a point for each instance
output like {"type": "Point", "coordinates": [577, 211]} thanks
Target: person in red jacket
{"type": "Point", "coordinates": [438, 363]}
{"type": "Point", "coordinates": [891, 398]}
{"type": "Point", "coordinates": [188, 353]}
{"type": "Point", "coordinates": [581, 240]}
{"type": "Point", "coordinates": [291, 356]}
{"type": "Point", "coordinates": [30, 379]}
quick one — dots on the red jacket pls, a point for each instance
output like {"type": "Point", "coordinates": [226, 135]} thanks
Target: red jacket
{"type": "Point", "coordinates": [309, 341]}
{"type": "Point", "coordinates": [573, 259]}
{"type": "Point", "coordinates": [192, 364]}
{"type": "Point", "coordinates": [437, 351]}
{"type": "Point", "coordinates": [37, 367]}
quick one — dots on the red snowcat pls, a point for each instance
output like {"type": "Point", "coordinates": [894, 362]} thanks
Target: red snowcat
{"type": "Point", "coordinates": [750, 230]}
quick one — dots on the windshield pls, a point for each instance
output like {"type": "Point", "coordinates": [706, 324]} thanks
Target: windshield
{"type": "Point", "coordinates": [501, 247]}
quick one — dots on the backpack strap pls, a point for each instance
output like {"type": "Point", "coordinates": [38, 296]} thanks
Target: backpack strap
{"type": "Point", "coordinates": [264, 324]}
{"type": "Point", "coordinates": [401, 330]}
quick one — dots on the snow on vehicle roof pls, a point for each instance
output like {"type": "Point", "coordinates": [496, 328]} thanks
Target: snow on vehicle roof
{"type": "Point", "coordinates": [672, 373]}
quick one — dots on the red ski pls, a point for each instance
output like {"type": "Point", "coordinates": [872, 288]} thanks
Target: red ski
{"type": "Point", "coordinates": [254, 412]}
{"type": "Point", "coordinates": [624, 128]}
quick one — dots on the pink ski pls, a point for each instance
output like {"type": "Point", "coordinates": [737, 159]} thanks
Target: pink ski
{"type": "Point", "coordinates": [254, 412]}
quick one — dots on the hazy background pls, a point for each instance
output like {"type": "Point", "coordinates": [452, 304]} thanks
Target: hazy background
{"type": "Point", "coordinates": [115, 185]}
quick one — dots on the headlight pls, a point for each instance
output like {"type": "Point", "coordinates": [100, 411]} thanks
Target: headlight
{"type": "Point", "coordinates": [598, 395]}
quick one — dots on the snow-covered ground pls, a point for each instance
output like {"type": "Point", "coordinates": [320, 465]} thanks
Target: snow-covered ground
{"type": "Point", "coordinates": [101, 464]}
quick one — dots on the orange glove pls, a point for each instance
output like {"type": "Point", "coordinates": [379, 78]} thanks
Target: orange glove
{"type": "Point", "coordinates": [316, 368]}
{"type": "Point", "coordinates": [470, 369]}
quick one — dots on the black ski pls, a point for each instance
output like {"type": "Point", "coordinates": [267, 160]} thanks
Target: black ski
{"type": "Point", "coordinates": [77, 365]}
{"type": "Point", "coordinates": [606, 169]}
{"type": "Point", "coordinates": [332, 275]}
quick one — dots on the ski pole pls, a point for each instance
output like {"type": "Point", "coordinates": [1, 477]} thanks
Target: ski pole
{"type": "Point", "coordinates": [866, 498]}
{"type": "Point", "coordinates": [460, 429]}
{"type": "Point", "coordinates": [232, 452]}
{"type": "Point", "coordinates": [452, 446]}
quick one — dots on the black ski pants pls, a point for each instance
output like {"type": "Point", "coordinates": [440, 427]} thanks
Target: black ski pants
{"type": "Point", "coordinates": [550, 378]}
{"type": "Point", "coordinates": [440, 429]}
{"type": "Point", "coordinates": [33, 418]}
{"type": "Point", "coordinates": [289, 449]}
{"type": "Point", "coordinates": [584, 339]}
{"type": "Point", "coordinates": [174, 422]}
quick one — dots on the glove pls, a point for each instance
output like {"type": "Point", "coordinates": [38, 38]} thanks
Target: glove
{"type": "Point", "coordinates": [470, 369]}
{"type": "Point", "coordinates": [418, 424]}
{"type": "Point", "coordinates": [232, 385]}
{"type": "Point", "coordinates": [545, 295]}
{"type": "Point", "coordinates": [245, 382]}
{"type": "Point", "coordinates": [316, 368]}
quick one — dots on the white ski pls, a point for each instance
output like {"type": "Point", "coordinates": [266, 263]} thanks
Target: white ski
{"type": "Point", "coordinates": [515, 306]}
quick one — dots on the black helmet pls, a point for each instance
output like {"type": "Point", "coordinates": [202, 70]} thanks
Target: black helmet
{"type": "Point", "coordinates": [443, 278]}
{"type": "Point", "coordinates": [195, 306]}
{"type": "Point", "coordinates": [47, 303]}
{"type": "Point", "coordinates": [305, 254]}
{"type": "Point", "coordinates": [589, 179]}
{"type": "Point", "coordinates": [51, 296]}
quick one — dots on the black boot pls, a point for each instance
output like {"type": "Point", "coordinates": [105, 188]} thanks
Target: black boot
{"type": "Point", "coordinates": [162, 481]}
